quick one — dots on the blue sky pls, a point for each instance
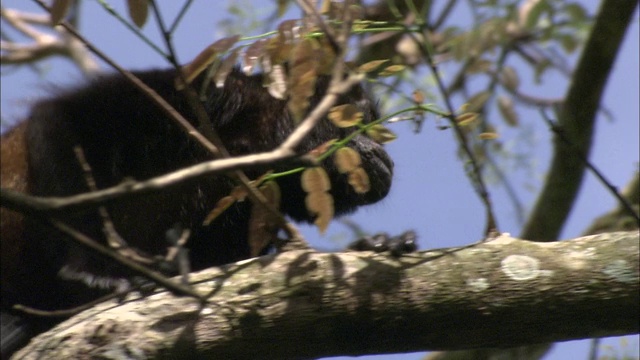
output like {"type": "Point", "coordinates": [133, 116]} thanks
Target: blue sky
{"type": "Point", "coordinates": [431, 193]}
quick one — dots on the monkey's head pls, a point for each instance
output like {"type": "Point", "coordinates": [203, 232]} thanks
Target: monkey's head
{"type": "Point", "coordinates": [253, 121]}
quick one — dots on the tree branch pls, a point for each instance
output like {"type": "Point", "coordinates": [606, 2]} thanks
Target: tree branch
{"type": "Point", "coordinates": [576, 118]}
{"type": "Point", "coordinates": [357, 303]}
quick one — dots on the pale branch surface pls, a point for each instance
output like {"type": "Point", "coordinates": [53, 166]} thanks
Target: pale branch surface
{"type": "Point", "coordinates": [617, 219]}
{"type": "Point", "coordinates": [304, 304]}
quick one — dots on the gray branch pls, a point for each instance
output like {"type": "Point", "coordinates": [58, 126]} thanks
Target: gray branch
{"type": "Point", "coordinates": [302, 304]}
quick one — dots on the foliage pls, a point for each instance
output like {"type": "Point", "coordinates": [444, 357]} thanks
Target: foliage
{"type": "Point", "coordinates": [421, 59]}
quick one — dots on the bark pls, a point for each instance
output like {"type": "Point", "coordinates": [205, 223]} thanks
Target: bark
{"type": "Point", "coordinates": [301, 304]}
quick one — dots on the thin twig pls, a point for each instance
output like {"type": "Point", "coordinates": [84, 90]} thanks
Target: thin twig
{"type": "Point", "coordinates": [311, 11]}
{"type": "Point", "coordinates": [476, 170]}
{"type": "Point", "coordinates": [560, 133]}
{"type": "Point", "coordinates": [33, 204]}
{"type": "Point", "coordinates": [208, 130]}
{"type": "Point", "coordinates": [141, 270]}
{"type": "Point", "coordinates": [66, 312]}
{"type": "Point", "coordinates": [144, 88]}
{"type": "Point", "coordinates": [114, 239]}
{"type": "Point", "coordinates": [577, 117]}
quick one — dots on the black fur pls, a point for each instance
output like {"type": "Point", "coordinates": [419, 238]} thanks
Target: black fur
{"type": "Point", "coordinates": [124, 135]}
{"type": "Point", "coordinates": [397, 246]}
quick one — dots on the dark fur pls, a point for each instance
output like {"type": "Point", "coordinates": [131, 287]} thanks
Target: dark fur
{"type": "Point", "coordinates": [123, 136]}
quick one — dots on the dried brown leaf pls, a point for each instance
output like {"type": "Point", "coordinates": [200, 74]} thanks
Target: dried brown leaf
{"type": "Point", "coordinates": [239, 193]}
{"type": "Point", "coordinates": [392, 70]}
{"type": "Point", "coordinates": [302, 76]}
{"type": "Point", "coordinates": [325, 7]}
{"type": "Point", "coordinates": [479, 66]}
{"type": "Point", "coordinates": [205, 58]}
{"type": "Point", "coordinates": [347, 159]}
{"type": "Point", "coordinates": [288, 31]}
{"type": "Point", "coordinates": [225, 68]}
{"type": "Point", "coordinates": [344, 116]}
{"type": "Point", "coordinates": [262, 230]}
{"type": "Point", "coordinates": [271, 192]}
{"type": "Point", "coordinates": [467, 118]}
{"type": "Point", "coordinates": [322, 148]}
{"type": "Point", "coordinates": [510, 78]}
{"type": "Point", "coordinates": [283, 5]}
{"type": "Point", "coordinates": [278, 49]}
{"type": "Point", "coordinates": [371, 66]}
{"type": "Point", "coordinates": [263, 225]}
{"type": "Point", "coordinates": [320, 204]}
{"type": "Point", "coordinates": [477, 101]}
{"type": "Point", "coordinates": [381, 134]}
{"type": "Point", "coordinates": [417, 96]}
{"type": "Point", "coordinates": [507, 110]}
{"type": "Point", "coordinates": [277, 82]}
{"type": "Point", "coordinates": [252, 55]}
{"type": "Point", "coordinates": [138, 11]}
{"type": "Point", "coordinates": [488, 136]}
{"type": "Point", "coordinates": [315, 179]}
{"type": "Point", "coordinates": [359, 180]}
{"type": "Point", "coordinates": [222, 205]}
{"type": "Point", "coordinates": [326, 57]}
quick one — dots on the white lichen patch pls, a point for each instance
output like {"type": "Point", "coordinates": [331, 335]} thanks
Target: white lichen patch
{"type": "Point", "coordinates": [207, 311]}
{"type": "Point", "coordinates": [502, 239]}
{"type": "Point", "coordinates": [578, 260]}
{"type": "Point", "coordinates": [478, 284]}
{"type": "Point", "coordinates": [521, 267]}
{"type": "Point", "coordinates": [621, 271]}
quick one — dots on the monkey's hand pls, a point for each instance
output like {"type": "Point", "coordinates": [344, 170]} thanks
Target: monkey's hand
{"type": "Point", "coordinates": [398, 245]}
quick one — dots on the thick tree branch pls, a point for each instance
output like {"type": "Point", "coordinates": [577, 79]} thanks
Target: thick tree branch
{"type": "Point", "coordinates": [303, 304]}
{"type": "Point", "coordinates": [616, 220]}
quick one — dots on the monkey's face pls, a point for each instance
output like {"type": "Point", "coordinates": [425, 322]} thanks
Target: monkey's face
{"type": "Point", "coordinates": [251, 121]}
{"type": "Point", "coordinates": [375, 160]}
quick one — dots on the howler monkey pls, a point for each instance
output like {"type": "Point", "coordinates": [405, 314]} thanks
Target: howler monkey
{"type": "Point", "coordinates": [125, 136]}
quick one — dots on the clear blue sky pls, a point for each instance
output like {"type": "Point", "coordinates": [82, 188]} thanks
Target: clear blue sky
{"type": "Point", "coordinates": [431, 193]}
